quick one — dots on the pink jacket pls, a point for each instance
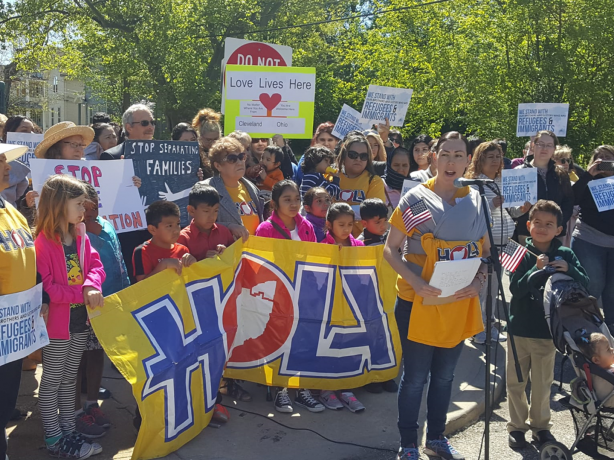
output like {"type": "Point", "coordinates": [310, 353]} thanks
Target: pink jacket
{"type": "Point", "coordinates": [328, 239]}
{"type": "Point", "coordinates": [51, 265]}
{"type": "Point", "coordinates": [303, 226]}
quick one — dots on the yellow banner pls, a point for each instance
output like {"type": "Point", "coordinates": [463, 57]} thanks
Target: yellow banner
{"type": "Point", "coordinates": [276, 312]}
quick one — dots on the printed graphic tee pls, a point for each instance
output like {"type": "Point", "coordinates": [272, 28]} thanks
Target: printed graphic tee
{"type": "Point", "coordinates": [246, 207]}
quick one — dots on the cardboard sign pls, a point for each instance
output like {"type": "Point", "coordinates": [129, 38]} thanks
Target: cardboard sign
{"type": "Point", "coordinates": [519, 186]}
{"type": "Point", "coordinates": [348, 120]}
{"type": "Point", "coordinates": [118, 199]}
{"type": "Point", "coordinates": [542, 117]}
{"type": "Point", "coordinates": [245, 52]}
{"type": "Point", "coordinates": [22, 328]}
{"type": "Point", "coordinates": [603, 193]}
{"type": "Point", "coordinates": [264, 101]}
{"type": "Point", "coordinates": [30, 140]}
{"type": "Point", "coordinates": [386, 102]}
{"type": "Point", "coordinates": [168, 170]}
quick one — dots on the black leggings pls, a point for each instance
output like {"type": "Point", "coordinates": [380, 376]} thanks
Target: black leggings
{"type": "Point", "coordinates": [10, 377]}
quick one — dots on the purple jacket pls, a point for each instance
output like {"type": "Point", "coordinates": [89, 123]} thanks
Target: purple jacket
{"type": "Point", "coordinates": [51, 265]}
{"type": "Point", "coordinates": [303, 226]}
{"type": "Point", "coordinates": [329, 239]}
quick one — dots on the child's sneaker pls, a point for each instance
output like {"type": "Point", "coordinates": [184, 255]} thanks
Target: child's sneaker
{"type": "Point", "coordinates": [220, 414]}
{"type": "Point", "coordinates": [351, 402]}
{"type": "Point", "coordinates": [283, 403]}
{"type": "Point", "coordinates": [99, 417]}
{"type": "Point", "coordinates": [96, 448]}
{"type": "Point", "coordinates": [442, 448]}
{"type": "Point", "coordinates": [86, 425]}
{"type": "Point", "coordinates": [330, 400]}
{"type": "Point", "coordinates": [408, 453]}
{"type": "Point", "coordinates": [306, 400]}
{"type": "Point", "coordinates": [69, 446]}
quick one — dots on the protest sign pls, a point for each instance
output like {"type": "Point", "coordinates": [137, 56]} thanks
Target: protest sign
{"type": "Point", "coordinates": [603, 193]}
{"type": "Point", "coordinates": [264, 101]}
{"type": "Point", "coordinates": [348, 120]}
{"type": "Point", "coordinates": [386, 102]}
{"type": "Point", "coordinates": [542, 117]}
{"type": "Point", "coordinates": [30, 140]}
{"type": "Point", "coordinates": [22, 328]}
{"type": "Point", "coordinates": [519, 186]}
{"type": "Point", "coordinates": [245, 52]}
{"type": "Point", "coordinates": [168, 170]}
{"type": "Point", "coordinates": [118, 199]}
{"type": "Point", "coordinates": [408, 184]}
{"type": "Point", "coordinates": [276, 312]}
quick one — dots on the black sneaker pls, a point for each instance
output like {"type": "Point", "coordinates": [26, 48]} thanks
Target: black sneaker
{"type": "Point", "coordinates": [283, 403]}
{"type": "Point", "coordinates": [390, 386]}
{"type": "Point", "coordinates": [543, 436]}
{"type": "Point", "coordinates": [69, 446]}
{"type": "Point", "coordinates": [375, 387]}
{"type": "Point", "coordinates": [516, 440]}
{"type": "Point", "coordinates": [306, 400]}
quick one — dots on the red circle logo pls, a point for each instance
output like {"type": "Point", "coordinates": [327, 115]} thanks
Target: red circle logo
{"type": "Point", "coordinates": [18, 239]}
{"type": "Point", "coordinates": [459, 252]}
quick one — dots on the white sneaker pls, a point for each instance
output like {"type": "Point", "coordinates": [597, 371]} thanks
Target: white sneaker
{"type": "Point", "coordinates": [480, 338]}
{"type": "Point", "coordinates": [497, 336]}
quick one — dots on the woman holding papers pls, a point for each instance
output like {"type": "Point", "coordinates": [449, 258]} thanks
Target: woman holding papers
{"type": "Point", "coordinates": [593, 237]}
{"type": "Point", "coordinates": [435, 222]}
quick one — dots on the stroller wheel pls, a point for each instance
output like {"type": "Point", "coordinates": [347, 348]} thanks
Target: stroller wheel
{"type": "Point", "coordinates": [554, 451]}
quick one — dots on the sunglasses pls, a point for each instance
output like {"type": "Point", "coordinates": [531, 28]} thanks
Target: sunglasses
{"type": "Point", "coordinates": [232, 158]}
{"type": "Point", "coordinates": [566, 160]}
{"type": "Point", "coordinates": [352, 155]}
{"type": "Point", "coordinates": [145, 123]}
{"type": "Point", "coordinates": [260, 139]}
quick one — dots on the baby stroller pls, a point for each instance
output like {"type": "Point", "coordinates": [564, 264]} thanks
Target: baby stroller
{"type": "Point", "coordinates": [572, 316]}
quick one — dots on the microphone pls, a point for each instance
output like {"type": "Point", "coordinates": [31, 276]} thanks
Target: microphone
{"type": "Point", "coordinates": [463, 181]}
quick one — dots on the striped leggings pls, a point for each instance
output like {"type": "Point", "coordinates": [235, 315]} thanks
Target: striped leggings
{"type": "Point", "coordinates": [61, 359]}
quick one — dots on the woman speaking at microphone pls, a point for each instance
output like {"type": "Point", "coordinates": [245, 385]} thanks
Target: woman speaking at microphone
{"type": "Point", "coordinates": [439, 222]}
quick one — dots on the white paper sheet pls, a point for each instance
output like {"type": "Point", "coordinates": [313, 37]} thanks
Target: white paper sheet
{"type": "Point", "coordinates": [453, 275]}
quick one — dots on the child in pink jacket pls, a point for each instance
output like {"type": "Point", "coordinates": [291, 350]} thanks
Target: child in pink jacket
{"type": "Point", "coordinates": [72, 276]}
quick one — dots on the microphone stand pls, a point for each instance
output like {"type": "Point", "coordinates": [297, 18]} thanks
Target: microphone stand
{"type": "Point", "coordinates": [493, 262]}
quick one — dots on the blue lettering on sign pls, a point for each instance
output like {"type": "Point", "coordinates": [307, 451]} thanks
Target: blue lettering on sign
{"type": "Point", "coordinates": [341, 351]}
{"type": "Point", "coordinates": [180, 354]}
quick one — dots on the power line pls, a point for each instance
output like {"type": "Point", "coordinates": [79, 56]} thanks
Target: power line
{"type": "Point", "coordinates": [329, 21]}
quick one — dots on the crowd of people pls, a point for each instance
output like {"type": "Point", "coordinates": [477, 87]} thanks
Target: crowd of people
{"type": "Point", "coordinates": [345, 192]}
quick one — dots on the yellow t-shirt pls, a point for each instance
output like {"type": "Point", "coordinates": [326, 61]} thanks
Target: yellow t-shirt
{"type": "Point", "coordinates": [246, 207]}
{"type": "Point", "coordinates": [355, 191]}
{"type": "Point", "coordinates": [17, 253]}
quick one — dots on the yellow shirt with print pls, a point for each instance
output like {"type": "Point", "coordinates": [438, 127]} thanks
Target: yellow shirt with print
{"type": "Point", "coordinates": [355, 191]}
{"type": "Point", "coordinates": [17, 253]}
{"type": "Point", "coordinates": [245, 207]}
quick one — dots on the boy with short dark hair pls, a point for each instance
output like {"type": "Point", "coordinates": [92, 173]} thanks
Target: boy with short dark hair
{"type": "Point", "coordinates": [203, 237]}
{"type": "Point", "coordinates": [271, 162]}
{"type": "Point", "coordinates": [528, 324]}
{"type": "Point", "coordinates": [374, 217]}
{"type": "Point", "coordinates": [161, 251]}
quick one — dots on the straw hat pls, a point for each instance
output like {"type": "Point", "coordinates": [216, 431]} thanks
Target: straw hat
{"type": "Point", "coordinates": [12, 151]}
{"type": "Point", "coordinates": [61, 131]}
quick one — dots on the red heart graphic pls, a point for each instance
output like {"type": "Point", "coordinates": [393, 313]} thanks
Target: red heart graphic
{"type": "Point", "coordinates": [270, 102]}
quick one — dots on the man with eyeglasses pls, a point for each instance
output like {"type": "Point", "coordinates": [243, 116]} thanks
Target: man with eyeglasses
{"type": "Point", "coordinates": [139, 124]}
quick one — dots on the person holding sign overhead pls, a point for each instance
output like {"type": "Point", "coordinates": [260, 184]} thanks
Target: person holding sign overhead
{"type": "Point", "coordinates": [435, 222]}
{"type": "Point", "coordinates": [240, 206]}
{"type": "Point", "coordinates": [552, 182]}
{"type": "Point", "coordinates": [358, 180]}
{"type": "Point", "coordinates": [593, 238]}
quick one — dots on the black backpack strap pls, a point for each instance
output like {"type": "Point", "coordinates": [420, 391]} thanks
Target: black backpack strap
{"type": "Point", "coordinates": [279, 229]}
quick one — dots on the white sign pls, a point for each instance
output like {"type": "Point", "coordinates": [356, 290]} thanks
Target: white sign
{"type": "Point", "coordinates": [30, 140]}
{"type": "Point", "coordinates": [348, 120]}
{"type": "Point", "coordinates": [453, 275]}
{"type": "Point", "coordinates": [386, 102]}
{"type": "Point", "coordinates": [246, 52]}
{"type": "Point", "coordinates": [603, 193]}
{"type": "Point", "coordinates": [119, 200]}
{"type": "Point", "coordinates": [270, 88]}
{"type": "Point", "coordinates": [408, 184]}
{"type": "Point", "coordinates": [22, 329]}
{"type": "Point", "coordinates": [519, 186]}
{"type": "Point", "coordinates": [542, 117]}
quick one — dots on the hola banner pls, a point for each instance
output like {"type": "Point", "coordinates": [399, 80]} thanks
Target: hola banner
{"type": "Point", "coordinates": [276, 312]}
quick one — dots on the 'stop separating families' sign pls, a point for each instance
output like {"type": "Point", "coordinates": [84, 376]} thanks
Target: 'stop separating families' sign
{"type": "Point", "coordinates": [348, 120]}
{"type": "Point", "coordinates": [542, 117]}
{"type": "Point", "coordinates": [30, 140]}
{"type": "Point", "coordinates": [386, 102]}
{"type": "Point", "coordinates": [264, 101]}
{"type": "Point", "coordinates": [168, 170]}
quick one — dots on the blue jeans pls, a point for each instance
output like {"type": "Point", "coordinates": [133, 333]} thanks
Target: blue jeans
{"type": "Point", "coordinates": [599, 265]}
{"type": "Point", "coordinates": [419, 362]}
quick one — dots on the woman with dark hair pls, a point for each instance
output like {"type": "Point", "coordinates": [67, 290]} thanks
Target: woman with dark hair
{"type": "Point", "coordinates": [357, 179]}
{"type": "Point", "coordinates": [104, 139]}
{"type": "Point", "coordinates": [17, 124]}
{"type": "Point", "coordinates": [420, 150]}
{"type": "Point", "coordinates": [397, 172]}
{"type": "Point", "coordinates": [184, 132]}
{"type": "Point", "coordinates": [432, 336]}
{"type": "Point", "coordinates": [593, 236]}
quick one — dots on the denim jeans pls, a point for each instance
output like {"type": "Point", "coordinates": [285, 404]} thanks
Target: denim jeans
{"type": "Point", "coordinates": [599, 265]}
{"type": "Point", "coordinates": [419, 362]}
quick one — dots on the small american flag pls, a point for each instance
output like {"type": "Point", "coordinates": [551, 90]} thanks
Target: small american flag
{"type": "Point", "coordinates": [512, 256]}
{"type": "Point", "coordinates": [415, 214]}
